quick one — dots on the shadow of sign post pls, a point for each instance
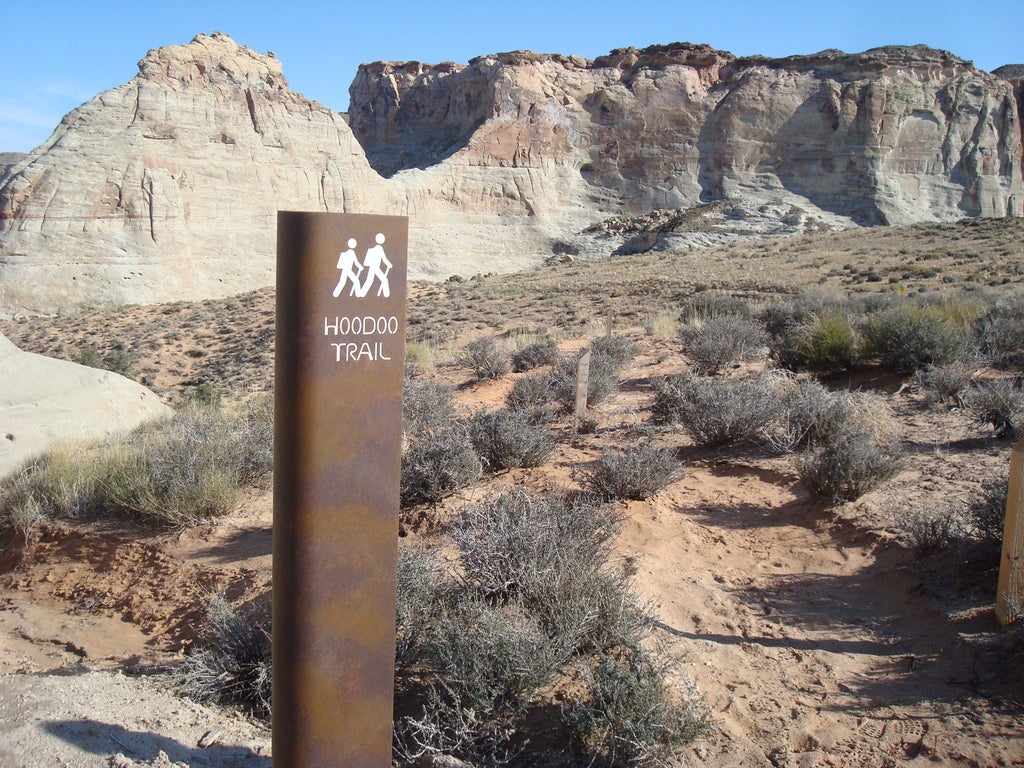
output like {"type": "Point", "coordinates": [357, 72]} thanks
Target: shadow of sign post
{"type": "Point", "coordinates": [341, 292]}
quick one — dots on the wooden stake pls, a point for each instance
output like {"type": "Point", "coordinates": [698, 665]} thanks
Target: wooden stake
{"type": "Point", "coordinates": [1010, 597]}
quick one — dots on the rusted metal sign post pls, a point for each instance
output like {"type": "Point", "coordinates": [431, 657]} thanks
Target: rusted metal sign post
{"type": "Point", "coordinates": [341, 290]}
{"type": "Point", "coordinates": [1010, 598]}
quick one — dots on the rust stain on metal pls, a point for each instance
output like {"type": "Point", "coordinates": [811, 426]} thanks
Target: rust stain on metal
{"type": "Point", "coordinates": [341, 292]}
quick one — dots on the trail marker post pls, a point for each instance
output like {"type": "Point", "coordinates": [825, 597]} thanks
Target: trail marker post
{"type": "Point", "coordinates": [1010, 597]}
{"type": "Point", "coordinates": [341, 291]}
{"type": "Point", "coordinates": [582, 388]}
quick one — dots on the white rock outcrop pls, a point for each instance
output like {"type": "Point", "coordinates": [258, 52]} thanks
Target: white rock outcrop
{"type": "Point", "coordinates": [45, 402]}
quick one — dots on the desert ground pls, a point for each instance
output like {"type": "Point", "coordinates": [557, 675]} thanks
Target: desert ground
{"type": "Point", "coordinates": [816, 635]}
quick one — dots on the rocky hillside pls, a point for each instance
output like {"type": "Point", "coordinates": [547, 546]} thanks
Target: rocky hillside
{"type": "Point", "coordinates": [167, 187]}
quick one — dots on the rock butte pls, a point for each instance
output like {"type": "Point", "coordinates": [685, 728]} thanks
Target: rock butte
{"type": "Point", "coordinates": [167, 187]}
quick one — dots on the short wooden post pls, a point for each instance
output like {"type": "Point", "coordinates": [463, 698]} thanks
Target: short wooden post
{"type": "Point", "coordinates": [582, 388]}
{"type": "Point", "coordinates": [1010, 598]}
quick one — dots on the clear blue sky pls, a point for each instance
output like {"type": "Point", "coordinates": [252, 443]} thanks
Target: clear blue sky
{"type": "Point", "coordinates": [57, 54]}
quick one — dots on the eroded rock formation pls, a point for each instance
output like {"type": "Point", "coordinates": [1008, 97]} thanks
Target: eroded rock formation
{"type": "Point", "coordinates": [45, 402]}
{"type": "Point", "coordinates": [892, 135]}
{"type": "Point", "coordinates": [167, 187]}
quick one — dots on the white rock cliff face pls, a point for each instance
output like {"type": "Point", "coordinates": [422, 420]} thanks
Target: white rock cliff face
{"type": "Point", "coordinates": [167, 187]}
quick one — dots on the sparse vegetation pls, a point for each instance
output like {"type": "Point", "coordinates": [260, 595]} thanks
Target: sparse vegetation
{"type": "Point", "coordinates": [535, 355]}
{"type": "Point", "coordinates": [485, 359]}
{"type": "Point", "coordinates": [175, 472]}
{"type": "Point", "coordinates": [723, 340]}
{"type": "Point", "coordinates": [506, 439]}
{"type": "Point", "coordinates": [437, 464]}
{"type": "Point", "coordinates": [715, 411]}
{"type": "Point", "coordinates": [638, 472]}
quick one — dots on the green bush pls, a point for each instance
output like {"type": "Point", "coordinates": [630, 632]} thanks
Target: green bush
{"type": "Point", "coordinates": [436, 465]}
{"type": "Point", "coordinates": [909, 336]}
{"type": "Point", "coordinates": [824, 343]}
{"type": "Point", "coordinates": [638, 472]}
{"type": "Point", "coordinates": [507, 439]}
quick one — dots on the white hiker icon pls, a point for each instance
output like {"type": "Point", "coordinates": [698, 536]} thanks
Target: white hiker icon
{"type": "Point", "coordinates": [347, 262]}
{"type": "Point", "coordinates": [377, 267]}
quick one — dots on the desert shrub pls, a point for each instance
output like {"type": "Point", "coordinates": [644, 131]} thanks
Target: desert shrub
{"type": "Point", "coordinates": [705, 305]}
{"type": "Point", "coordinates": [638, 472]}
{"type": "Point", "coordinates": [615, 351]}
{"type": "Point", "coordinates": [602, 382]}
{"type": "Point", "coordinates": [118, 360]}
{"type": "Point", "coordinates": [931, 531]}
{"type": "Point", "coordinates": [204, 395]}
{"type": "Point", "coordinates": [553, 556]}
{"type": "Point", "coordinates": [986, 517]}
{"type": "Point", "coordinates": [632, 717]}
{"type": "Point", "coordinates": [823, 343]}
{"type": "Point", "coordinates": [422, 590]}
{"type": "Point", "coordinates": [487, 666]}
{"type": "Point", "coordinates": [506, 439]}
{"type": "Point", "coordinates": [436, 465]}
{"type": "Point", "coordinates": [533, 395]}
{"type": "Point", "coordinates": [662, 325]}
{"type": "Point", "coordinates": [191, 467]}
{"type": "Point", "coordinates": [945, 383]}
{"type": "Point", "coordinates": [909, 336]}
{"type": "Point", "coordinates": [177, 471]}
{"type": "Point", "coordinates": [535, 355]}
{"type": "Point", "coordinates": [723, 340]}
{"type": "Point", "coordinates": [810, 414]}
{"type": "Point", "coordinates": [485, 359]}
{"type": "Point", "coordinates": [1001, 333]}
{"type": "Point", "coordinates": [60, 483]}
{"type": "Point", "coordinates": [426, 405]}
{"type": "Point", "coordinates": [231, 661]}
{"type": "Point", "coordinates": [715, 411]}
{"type": "Point", "coordinates": [998, 403]}
{"type": "Point", "coordinates": [848, 465]}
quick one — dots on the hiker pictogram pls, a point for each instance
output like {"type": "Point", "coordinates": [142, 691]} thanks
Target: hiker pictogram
{"type": "Point", "coordinates": [376, 264]}
{"type": "Point", "coordinates": [347, 262]}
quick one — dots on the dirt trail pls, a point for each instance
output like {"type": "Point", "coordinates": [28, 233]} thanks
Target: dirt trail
{"type": "Point", "coordinates": [813, 645]}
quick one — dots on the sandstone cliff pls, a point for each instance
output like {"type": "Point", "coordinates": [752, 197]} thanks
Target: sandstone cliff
{"type": "Point", "coordinates": [167, 187]}
{"type": "Point", "coordinates": [892, 135]}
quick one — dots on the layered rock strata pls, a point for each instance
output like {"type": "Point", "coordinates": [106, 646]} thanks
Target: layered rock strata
{"type": "Point", "coordinates": [167, 187]}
